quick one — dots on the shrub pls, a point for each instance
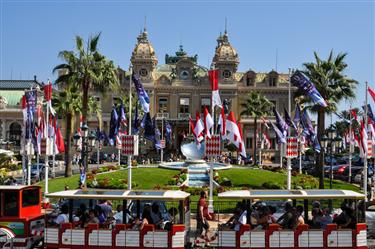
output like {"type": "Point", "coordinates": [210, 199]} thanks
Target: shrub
{"type": "Point", "coordinates": [271, 185]}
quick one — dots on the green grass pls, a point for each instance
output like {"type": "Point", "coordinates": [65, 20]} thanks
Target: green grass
{"type": "Point", "coordinates": [148, 178]}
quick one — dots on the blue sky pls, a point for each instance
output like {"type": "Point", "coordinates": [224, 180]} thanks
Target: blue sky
{"type": "Point", "coordinates": [33, 32]}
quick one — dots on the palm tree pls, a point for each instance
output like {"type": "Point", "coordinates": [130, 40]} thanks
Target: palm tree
{"type": "Point", "coordinates": [334, 86]}
{"type": "Point", "coordinates": [67, 103]}
{"type": "Point", "coordinates": [88, 69]}
{"type": "Point", "coordinates": [256, 106]}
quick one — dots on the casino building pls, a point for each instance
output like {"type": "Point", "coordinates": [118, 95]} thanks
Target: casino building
{"type": "Point", "coordinates": [179, 87]}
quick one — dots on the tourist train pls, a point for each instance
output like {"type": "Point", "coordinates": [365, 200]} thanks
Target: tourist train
{"type": "Point", "coordinates": [24, 225]}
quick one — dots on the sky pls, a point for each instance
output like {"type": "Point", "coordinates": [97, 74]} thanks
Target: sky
{"type": "Point", "coordinates": [268, 34]}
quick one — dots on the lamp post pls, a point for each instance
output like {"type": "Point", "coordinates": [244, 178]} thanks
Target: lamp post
{"type": "Point", "coordinates": [88, 142]}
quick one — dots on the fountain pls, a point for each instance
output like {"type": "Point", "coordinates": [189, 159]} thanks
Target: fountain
{"type": "Point", "coordinates": [197, 168]}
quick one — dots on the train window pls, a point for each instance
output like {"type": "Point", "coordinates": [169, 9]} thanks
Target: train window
{"type": "Point", "coordinates": [11, 203]}
{"type": "Point", "coordinates": [30, 197]}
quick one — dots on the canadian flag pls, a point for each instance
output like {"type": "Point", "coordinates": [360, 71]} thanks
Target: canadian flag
{"type": "Point", "coordinates": [214, 79]}
{"type": "Point", "coordinates": [363, 141]}
{"type": "Point", "coordinates": [208, 122]}
{"type": "Point", "coordinates": [222, 123]}
{"type": "Point", "coordinates": [48, 97]}
{"type": "Point", "coordinates": [199, 127]}
{"type": "Point", "coordinates": [232, 128]}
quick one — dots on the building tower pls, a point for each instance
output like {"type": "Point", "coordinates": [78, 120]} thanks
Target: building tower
{"type": "Point", "coordinates": [143, 58]}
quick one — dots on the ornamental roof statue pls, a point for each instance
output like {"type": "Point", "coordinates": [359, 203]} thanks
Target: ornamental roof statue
{"type": "Point", "coordinates": [224, 51]}
{"type": "Point", "coordinates": [144, 51]}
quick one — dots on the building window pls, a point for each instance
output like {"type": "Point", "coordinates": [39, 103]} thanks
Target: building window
{"type": "Point", "coordinates": [143, 72]}
{"type": "Point", "coordinates": [249, 81]}
{"type": "Point", "coordinates": [10, 203]}
{"type": "Point", "coordinates": [227, 74]}
{"type": "Point", "coordinates": [184, 105]}
{"type": "Point", "coordinates": [205, 102]}
{"type": "Point", "coordinates": [273, 81]}
{"type": "Point", "coordinates": [15, 132]}
{"type": "Point", "coordinates": [163, 105]}
{"type": "Point", "coordinates": [249, 143]}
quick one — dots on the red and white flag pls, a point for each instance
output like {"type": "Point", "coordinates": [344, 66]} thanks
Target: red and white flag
{"type": "Point", "coordinates": [372, 93]}
{"type": "Point", "coordinates": [24, 108]}
{"type": "Point", "coordinates": [266, 141]}
{"type": "Point", "coordinates": [214, 79]}
{"type": "Point", "coordinates": [363, 139]}
{"type": "Point", "coordinates": [354, 114]}
{"type": "Point", "coordinates": [208, 122]}
{"type": "Point", "coordinates": [48, 97]}
{"type": "Point", "coordinates": [371, 130]}
{"type": "Point", "coordinates": [199, 127]}
{"type": "Point", "coordinates": [265, 122]}
{"type": "Point", "coordinates": [232, 128]}
{"type": "Point", "coordinates": [242, 147]}
{"type": "Point", "coordinates": [222, 123]}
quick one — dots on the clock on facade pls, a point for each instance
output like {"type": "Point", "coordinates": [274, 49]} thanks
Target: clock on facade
{"type": "Point", "coordinates": [227, 74]}
{"type": "Point", "coordinates": [143, 72]}
{"type": "Point", "coordinates": [184, 75]}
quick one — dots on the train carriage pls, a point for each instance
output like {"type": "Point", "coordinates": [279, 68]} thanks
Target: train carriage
{"type": "Point", "coordinates": [68, 235]}
{"type": "Point", "coordinates": [302, 236]}
{"type": "Point", "coordinates": [21, 220]}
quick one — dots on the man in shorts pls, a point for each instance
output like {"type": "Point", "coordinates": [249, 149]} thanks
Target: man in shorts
{"type": "Point", "coordinates": [202, 215]}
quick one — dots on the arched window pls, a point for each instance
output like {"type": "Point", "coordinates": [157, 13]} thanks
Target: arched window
{"type": "Point", "coordinates": [15, 132]}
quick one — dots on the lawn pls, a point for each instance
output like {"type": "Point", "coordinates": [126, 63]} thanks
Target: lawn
{"type": "Point", "coordinates": [148, 178]}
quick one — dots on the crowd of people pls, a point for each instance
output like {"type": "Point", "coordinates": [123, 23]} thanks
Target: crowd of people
{"type": "Point", "coordinates": [260, 215]}
{"type": "Point", "coordinates": [103, 215]}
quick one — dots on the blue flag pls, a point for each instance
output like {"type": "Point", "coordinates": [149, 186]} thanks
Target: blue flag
{"type": "Point", "coordinates": [157, 138]}
{"type": "Point", "coordinates": [113, 126]}
{"type": "Point", "coordinates": [299, 80]}
{"type": "Point", "coordinates": [281, 124]}
{"type": "Point", "coordinates": [308, 128]}
{"type": "Point", "coordinates": [316, 145]}
{"type": "Point", "coordinates": [149, 129]}
{"type": "Point", "coordinates": [370, 114]}
{"type": "Point", "coordinates": [142, 94]}
{"type": "Point", "coordinates": [135, 128]}
{"type": "Point", "coordinates": [168, 132]}
{"type": "Point", "coordinates": [289, 120]}
{"type": "Point", "coordinates": [279, 135]}
{"type": "Point", "coordinates": [297, 115]}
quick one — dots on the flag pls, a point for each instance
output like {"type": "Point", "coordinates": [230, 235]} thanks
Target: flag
{"type": "Point", "coordinates": [372, 93]}
{"type": "Point", "coordinates": [267, 140]}
{"type": "Point", "coordinates": [214, 77]}
{"type": "Point", "coordinates": [297, 115]}
{"type": "Point", "coordinates": [370, 114]}
{"type": "Point", "coordinates": [208, 122]}
{"type": "Point", "coordinates": [363, 139]}
{"type": "Point", "coordinates": [354, 114]}
{"type": "Point", "coordinates": [113, 126]}
{"type": "Point", "coordinates": [281, 124]}
{"type": "Point", "coordinates": [199, 127]}
{"type": "Point", "coordinates": [60, 141]}
{"type": "Point", "coordinates": [279, 135]}
{"type": "Point", "coordinates": [168, 132]}
{"type": "Point", "coordinates": [222, 122]}
{"type": "Point", "coordinates": [48, 97]}
{"type": "Point", "coordinates": [371, 130]}
{"type": "Point", "coordinates": [316, 145]}
{"type": "Point", "coordinates": [299, 80]}
{"type": "Point", "coordinates": [265, 122]}
{"type": "Point", "coordinates": [232, 128]}
{"type": "Point", "coordinates": [289, 120]}
{"type": "Point", "coordinates": [141, 93]}
{"type": "Point", "coordinates": [242, 147]}
{"type": "Point", "coordinates": [121, 116]}
{"type": "Point", "coordinates": [135, 128]}
{"type": "Point", "coordinates": [308, 128]}
{"type": "Point", "coordinates": [157, 135]}
{"type": "Point", "coordinates": [24, 108]}
{"type": "Point", "coordinates": [149, 129]}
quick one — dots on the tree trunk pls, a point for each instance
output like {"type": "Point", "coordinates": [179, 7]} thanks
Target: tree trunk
{"type": "Point", "coordinates": [68, 145]}
{"type": "Point", "coordinates": [255, 140]}
{"type": "Point", "coordinates": [320, 161]}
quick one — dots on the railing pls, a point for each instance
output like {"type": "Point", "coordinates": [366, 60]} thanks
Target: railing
{"type": "Point", "coordinates": [183, 115]}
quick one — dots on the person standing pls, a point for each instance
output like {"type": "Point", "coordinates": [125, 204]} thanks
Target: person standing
{"type": "Point", "coordinates": [202, 215]}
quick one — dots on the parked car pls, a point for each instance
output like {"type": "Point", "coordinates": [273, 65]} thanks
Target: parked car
{"type": "Point", "coordinates": [94, 158]}
{"type": "Point", "coordinates": [345, 175]}
{"type": "Point", "coordinates": [37, 171]}
{"type": "Point", "coordinates": [336, 170]}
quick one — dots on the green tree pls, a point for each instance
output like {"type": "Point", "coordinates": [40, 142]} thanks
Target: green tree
{"type": "Point", "coordinates": [256, 106]}
{"type": "Point", "coordinates": [330, 80]}
{"type": "Point", "coordinates": [89, 70]}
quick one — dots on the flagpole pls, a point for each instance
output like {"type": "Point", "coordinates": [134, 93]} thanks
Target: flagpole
{"type": "Point", "coordinates": [365, 152]}
{"type": "Point", "coordinates": [53, 155]}
{"type": "Point", "coordinates": [162, 135]}
{"type": "Point", "coordinates": [350, 145]}
{"type": "Point", "coordinates": [130, 127]}
{"type": "Point", "coordinates": [289, 168]}
{"type": "Point", "coordinates": [211, 198]}
{"type": "Point", "coordinates": [47, 152]}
